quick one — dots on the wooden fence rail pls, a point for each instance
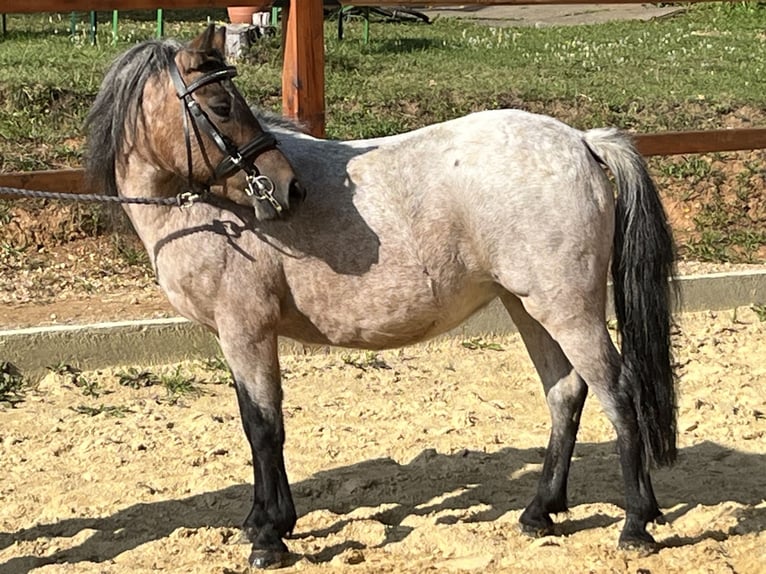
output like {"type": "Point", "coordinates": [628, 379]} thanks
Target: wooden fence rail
{"type": "Point", "coordinates": [667, 143]}
{"type": "Point", "coordinates": [303, 77]}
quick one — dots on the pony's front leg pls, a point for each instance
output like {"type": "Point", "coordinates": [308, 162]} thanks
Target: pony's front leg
{"type": "Point", "coordinates": [255, 367]}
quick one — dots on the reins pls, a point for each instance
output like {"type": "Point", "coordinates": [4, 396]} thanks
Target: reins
{"type": "Point", "coordinates": [185, 199]}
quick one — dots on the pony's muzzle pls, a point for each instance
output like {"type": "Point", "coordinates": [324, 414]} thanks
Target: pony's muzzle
{"type": "Point", "coordinates": [278, 201]}
{"type": "Point", "coordinates": [261, 188]}
{"type": "Point", "coordinates": [296, 194]}
{"type": "Point", "coordinates": [273, 196]}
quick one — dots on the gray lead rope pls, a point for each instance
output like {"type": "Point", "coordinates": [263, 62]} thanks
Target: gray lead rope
{"type": "Point", "coordinates": [180, 200]}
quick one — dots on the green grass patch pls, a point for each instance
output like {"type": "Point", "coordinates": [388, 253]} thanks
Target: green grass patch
{"type": "Point", "coordinates": [12, 384]}
{"type": "Point", "coordinates": [88, 386]}
{"type": "Point", "coordinates": [218, 370]}
{"type": "Point", "coordinates": [176, 382]}
{"type": "Point", "coordinates": [112, 411]}
{"type": "Point", "coordinates": [630, 73]}
{"type": "Point", "coordinates": [179, 385]}
{"type": "Point", "coordinates": [364, 361]}
{"type": "Point", "coordinates": [480, 344]}
{"type": "Point", "coordinates": [137, 378]}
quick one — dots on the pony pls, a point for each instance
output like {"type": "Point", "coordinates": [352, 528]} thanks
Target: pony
{"type": "Point", "coordinates": [386, 242]}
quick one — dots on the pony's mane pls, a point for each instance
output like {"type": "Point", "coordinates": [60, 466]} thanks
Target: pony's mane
{"type": "Point", "coordinates": [273, 120]}
{"type": "Point", "coordinates": [118, 107]}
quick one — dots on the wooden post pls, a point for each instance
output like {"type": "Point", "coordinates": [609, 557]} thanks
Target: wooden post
{"type": "Point", "coordinates": [303, 68]}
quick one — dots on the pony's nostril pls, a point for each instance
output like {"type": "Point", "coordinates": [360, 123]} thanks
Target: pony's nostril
{"type": "Point", "coordinates": [296, 194]}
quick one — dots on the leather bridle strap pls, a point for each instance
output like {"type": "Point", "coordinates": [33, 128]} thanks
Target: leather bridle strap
{"type": "Point", "coordinates": [259, 186]}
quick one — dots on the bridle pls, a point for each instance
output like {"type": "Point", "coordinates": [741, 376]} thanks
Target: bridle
{"type": "Point", "coordinates": [259, 186]}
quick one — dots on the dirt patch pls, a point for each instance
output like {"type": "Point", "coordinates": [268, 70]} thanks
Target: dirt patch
{"type": "Point", "coordinates": [409, 461]}
{"type": "Point", "coordinates": [64, 264]}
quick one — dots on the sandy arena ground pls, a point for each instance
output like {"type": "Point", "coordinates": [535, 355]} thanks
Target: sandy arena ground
{"type": "Point", "coordinates": [417, 460]}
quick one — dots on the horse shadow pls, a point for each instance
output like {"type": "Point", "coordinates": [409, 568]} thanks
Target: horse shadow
{"type": "Point", "coordinates": [431, 482]}
{"type": "Point", "coordinates": [328, 227]}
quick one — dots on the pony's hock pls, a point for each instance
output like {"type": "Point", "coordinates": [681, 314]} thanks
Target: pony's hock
{"type": "Point", "coordinates": [240, 37]}
{"type": "Point", "coordinates": [399, 239]}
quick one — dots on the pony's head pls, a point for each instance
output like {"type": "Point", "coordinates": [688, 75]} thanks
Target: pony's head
{"type": "Point", "coordinates": [177, 108]}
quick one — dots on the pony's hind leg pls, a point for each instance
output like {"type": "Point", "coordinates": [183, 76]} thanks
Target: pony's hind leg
{"type": "Point", "coordinates": [565, 393]}
{"type": "Point", "coordinates": [586, 342]}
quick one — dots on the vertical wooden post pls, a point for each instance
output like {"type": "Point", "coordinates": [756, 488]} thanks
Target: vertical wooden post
{"type": "Point", "coordinates": [303, 68]}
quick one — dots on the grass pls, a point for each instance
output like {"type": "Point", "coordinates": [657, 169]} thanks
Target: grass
{"type": "Point", "coordinates": [701, 69]}
{"type": "Point", "coordinates": [137, 378]}
{"type": "Point", "coordinates": [112, 411]}
{"type": "Point", "coordinates": [478, 343]}
{"type": "Point", "coordinates": [88, 386]}
{"type": "Point", "coordinates": [218, 371]}
{"type": "Point", "coordinates": [409, 75]}
{"type": "Point", "coordinates": [176, 382]}
{"type": "Point", "coordinates": [12, 384]}
{"type": "Point", "coordinates": [693, 167]}
{"type": "Point", "coordinates": [364, 360]}
{"type": "Point", "coordinates": [178, 385]}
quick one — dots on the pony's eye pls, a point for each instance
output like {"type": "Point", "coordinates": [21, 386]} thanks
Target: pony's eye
{"type": "Point", "coordinates": [220, 107]}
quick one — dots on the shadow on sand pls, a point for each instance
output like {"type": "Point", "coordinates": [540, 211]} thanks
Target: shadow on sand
{"type": "Point", "coordinates": [477, 476]}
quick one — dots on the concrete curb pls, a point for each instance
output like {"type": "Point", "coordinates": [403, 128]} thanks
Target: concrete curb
{"type": "Point", "coordinates": [163, 341]}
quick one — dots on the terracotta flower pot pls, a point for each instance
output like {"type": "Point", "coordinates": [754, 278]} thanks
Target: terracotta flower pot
{"type": "Point", "coordinates": [244, 14]}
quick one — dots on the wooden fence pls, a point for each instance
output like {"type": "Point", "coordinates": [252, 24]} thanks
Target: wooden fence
{"type": "Point", "coordinates": [303, 77]}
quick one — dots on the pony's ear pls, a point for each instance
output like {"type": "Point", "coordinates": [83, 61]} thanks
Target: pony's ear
{"type": "Point", "coordinates": [219, 40]}
{"type": "Point", "coordinates": [204, 42]}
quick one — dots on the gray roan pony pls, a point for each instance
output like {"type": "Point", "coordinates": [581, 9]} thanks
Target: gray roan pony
{"type": "Point", "coordinates": [399, 239]}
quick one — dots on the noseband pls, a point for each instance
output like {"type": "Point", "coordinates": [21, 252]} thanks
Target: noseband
{"type": "Point", "coordinates": [235, 158]}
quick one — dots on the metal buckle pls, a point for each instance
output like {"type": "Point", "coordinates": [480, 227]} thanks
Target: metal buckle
{"type": "Point", "coordinates": [187, 199]}
{"type": "Point", "coordinates": [262, 188]}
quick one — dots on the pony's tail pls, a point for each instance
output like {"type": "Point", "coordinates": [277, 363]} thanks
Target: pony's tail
{"type": "Point", "coordinates": [643, 260]}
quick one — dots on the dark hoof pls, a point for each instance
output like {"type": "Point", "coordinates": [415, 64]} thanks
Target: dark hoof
{"type": "Point", "coordinates": [643, 543]}
{"type": "Point", "coordinates": [533, 532]}
{"type": "Point", "coordinates": [641, 548]}
{"type": "Point", "coordinates": [535, 525]}
{"type": "Point", "coordinates": [536, 531]}
{"type": "Point", "coordinates": [263, 559]}
{"type": "Point", "coordinates": [635, 537]}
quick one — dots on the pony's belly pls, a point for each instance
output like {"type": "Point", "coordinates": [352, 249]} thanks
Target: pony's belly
{"type": "Point", "coordinates": [366, 324]}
